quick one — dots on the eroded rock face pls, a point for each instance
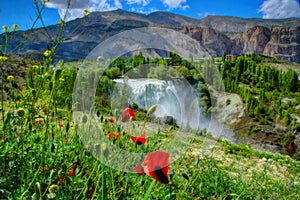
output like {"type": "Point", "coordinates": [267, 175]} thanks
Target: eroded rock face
{"type": "Point", "coordinates": [276, 41]}
{"type": "Point", "coordinates": [284, 44]}
{"type": "Point", "coordinates": [254, 40]}
{"type": "Point", "coordinates": [213, 41]}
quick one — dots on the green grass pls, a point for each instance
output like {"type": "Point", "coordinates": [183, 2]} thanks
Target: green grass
{"type": "Point", "coordinates": [226, 172]}
{"type": "Point", "coordinates": [39, 146]}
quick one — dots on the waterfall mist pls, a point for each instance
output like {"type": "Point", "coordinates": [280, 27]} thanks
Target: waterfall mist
{"type": "Point", "coordinates": [175, 98]}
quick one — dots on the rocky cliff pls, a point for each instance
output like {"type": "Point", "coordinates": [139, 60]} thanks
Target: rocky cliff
{"type": "Point", "coordinates": [276, 41]}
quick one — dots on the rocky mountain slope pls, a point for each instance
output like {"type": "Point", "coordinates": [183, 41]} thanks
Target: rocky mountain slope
{"type": "Point", "coordinates": [275, 38]}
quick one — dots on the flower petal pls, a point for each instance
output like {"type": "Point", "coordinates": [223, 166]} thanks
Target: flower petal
{"type": "Point", "coordinates": [128, 114]}
{"type": "Point", "coordinates": [156, 165]}
{"type": "Point", "coordinates": [139, 169]}
{"type": "Point", "coordinates": [139, 140]}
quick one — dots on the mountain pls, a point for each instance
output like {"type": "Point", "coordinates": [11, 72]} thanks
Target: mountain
{"type": "Point", "coordinates": [270, 37]}
{"type": "Point", "coordinates": [171, 18]}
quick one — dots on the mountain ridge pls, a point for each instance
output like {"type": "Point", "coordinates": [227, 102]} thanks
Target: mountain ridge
{"type": "Point", "coordinates": [232, 35]}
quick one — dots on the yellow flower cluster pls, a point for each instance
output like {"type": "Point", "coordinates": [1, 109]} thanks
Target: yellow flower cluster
{"type": "Point", "coordinates": [35, 67]}
{"type": "Point", "coordinates": [86, 11]}
{"type": "Point", "coordinates": [3, 58]}
{"type": "Point", "coordinates": [5, 28]}
{"type": "Point", "coordinates": [15, 27]}
{"type": "Point", "coordinates": [47, 53]}
{"type": "Point", "coordinates": [62, 22]}
{"type": "Point", "coordinates": [10, 78]}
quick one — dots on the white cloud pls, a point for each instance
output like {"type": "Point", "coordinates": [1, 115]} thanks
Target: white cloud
{"type": "Point", "coordinates": [280, 9]}
{"type": "Point", "coordinates": [77, 6]}
{"type": "Point", "coordinates": [143, 10]}
{"type": "Point", "coordinates": [175, 3]}
{"type": "Point", "coordinates": [205, 14]}
{"type": "Point", "coordinates": [143, 2]}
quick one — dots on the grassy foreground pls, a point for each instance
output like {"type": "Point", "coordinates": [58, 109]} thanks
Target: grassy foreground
{"type": "Point", "coordinates": [36, 166]}
{"type": "Point", "coordinates": [43, 157]}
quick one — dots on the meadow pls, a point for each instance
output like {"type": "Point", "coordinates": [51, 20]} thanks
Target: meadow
{"type": "Point", "coordinates": [43, 157]}
{"type": "Point", "coordinates": [43, 154]}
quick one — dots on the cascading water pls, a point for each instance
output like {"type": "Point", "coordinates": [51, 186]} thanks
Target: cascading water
{"type": "Point", "coordinates": [174, 98]}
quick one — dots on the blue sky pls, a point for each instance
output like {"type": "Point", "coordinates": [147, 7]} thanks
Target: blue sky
{"type": "Point", "coordinates": [23, 12]}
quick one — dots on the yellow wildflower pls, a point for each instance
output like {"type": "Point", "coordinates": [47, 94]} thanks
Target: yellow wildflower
{"type": "Point", "coordinates": [86, 11]}
{"type": "Point", "coordinates": [10, 78]}
{"type": "Point", "coordinates": [51, 195]}
{"type": "Point", "coordinates": [35, 67]}
{"type": "Point", "coordinates": [3, 58]}
{"type": "Point", "coordinates": [62, 22]}
{"type": "Point", "coordinates": [5, 28]}
{"type": "Point", "coordinates": [15, 27]}
{"type": "Point", "coordinates": [53, 188]}
{"type": "Point", "coordinates": [47, 53]}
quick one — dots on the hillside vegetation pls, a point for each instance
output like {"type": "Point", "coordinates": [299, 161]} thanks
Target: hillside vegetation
{"type": "Point", "coordinates": [43, 157]}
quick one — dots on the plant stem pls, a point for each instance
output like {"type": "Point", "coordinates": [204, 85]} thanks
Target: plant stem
{"type": "Point", "coordinates": [2, 101]}
{"type": "Point", "coordinates": [148, 193]}
{"type": "Point", "coordinates": [103, 188]}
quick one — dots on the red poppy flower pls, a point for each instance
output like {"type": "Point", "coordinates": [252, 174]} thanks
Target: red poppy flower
{"type": "Point", "coordinates": [61, 179]}
{"type": "Point", "coordinates": [91, 189]}
{"type": "Point", "coordinates": [74, 166]}
{"type": "Point", "coordinates": [139, 169]}
{"type": "Point", "coordinates": [101, 105]}
{"type": "Point", "coordinates": [112, 120]}
{"type": "Point", "coordinates": [139, 140]}
{"type": "Point", "coordinates": [40, 121]}
{"type": "Point", "coordinates": [127, 115]}
{"type": "Point", "coordinates": [60, 124]}
{"type": "Point", "coordinates": [3, 136]}
{"type": "Point", "coordinates": [113, 135]}
{"type": "Point", "coordinates": [156, 165]}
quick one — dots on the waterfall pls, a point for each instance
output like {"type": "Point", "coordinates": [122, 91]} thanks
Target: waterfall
{"type": "Point", "coordinates": [174, 97]}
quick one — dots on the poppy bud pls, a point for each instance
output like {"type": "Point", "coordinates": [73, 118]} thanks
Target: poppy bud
{"type": "Point", "coordinates": [50, 86]}
{"type": "Point", "coordinates": [74, 166]}
{"type": "Point", "coordinates": [33, 91]}
{"type": "Point", "coordinates": [98, 113]}
{"type": "Point", "coordinates": [21, 112]}
{"type": "Point", "coordinates": [185, 176]}
{"type": "Point", "coordinates": [151, 110]}
{"type": "Point", "coordinates": [67, 127]}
